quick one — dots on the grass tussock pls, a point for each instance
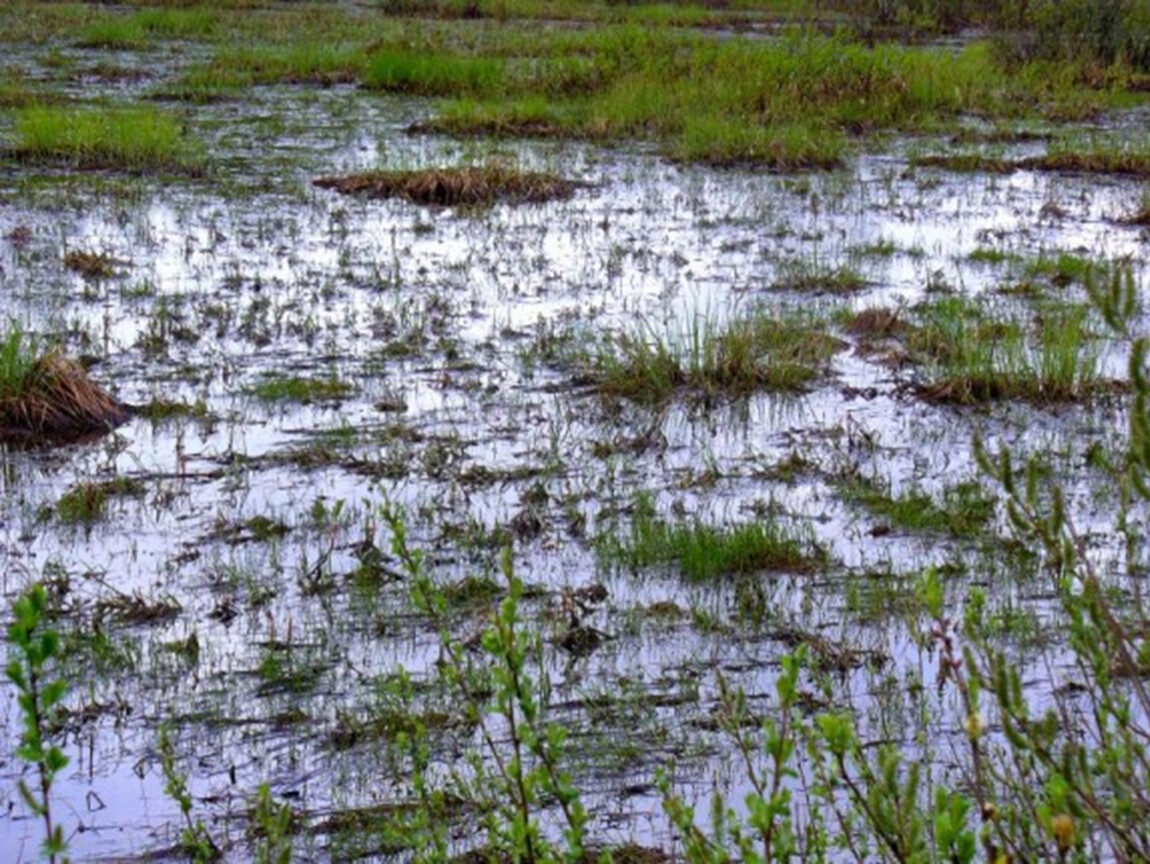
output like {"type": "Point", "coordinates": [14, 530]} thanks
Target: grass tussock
{"type": "Point", "coordinates": [766, 351]}
{"type": "Point", "coordinates": [471, 186]}
{"type": "Point", "coordinates": [302, 62]}
{"type": "Point", "coordinates": [50, 396]}
{"type": "Point", "coordinates": [969, 355]}
{"type": "Point", "coordinates": [703, 553]}
{"type": "Point", "coordinates": [131, 139]}
{"type": "Point", "coordinates": [297, 389]}
{"type": "Point", "coordinates": [427, 74]}
{"type": "Point", "coordinates": [962, 510]}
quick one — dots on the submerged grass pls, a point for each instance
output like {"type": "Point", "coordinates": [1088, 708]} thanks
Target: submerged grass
{"type": "Point", "coordinates": [133, 139]}
{"type": "Point", "coordinates": [767, 350]}
{"type": "Point", "coordinates": [1121, 158]}
{"type": "Point", "coordinates": [962, 511]}
{"type": "Point", "coordinates": [296, 389]}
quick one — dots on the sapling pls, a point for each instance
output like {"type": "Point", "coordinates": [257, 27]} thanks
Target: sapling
{"type": "Point", "coordinates": [33, 646]}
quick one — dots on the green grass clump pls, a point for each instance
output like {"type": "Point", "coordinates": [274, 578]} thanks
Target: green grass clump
{"type": "Point", "coordinates": [971, 355]}
{"type": "Point", "coordinates": [132, 139]}
{"type": "Point", "coordinates": [768, 350]}
{"type": "Point", "coordinates": [115, 33]}
{"type": "Point", "coordinates": [136, 30]}
{"type": "Point", "coordinates": [296, 389]}
{"type": "Point", "coordinates": [1062, 269]}
{"type": "Point", "coordinates": [86, 503]}
{"type": "Point", "coordinates": [303, 62]}
{"type": "Point", "coordinates": [817, 278]}
{"type": "Point", "coordinates": [428, 74]}
{"type": "Point", "coordinates": [704, 553]}
{"type": "Point", "coordinates": [18, 353]}
{"type": "Point", "coordinates": [728, 142]}
{"type": "Point", "coordinates": [788, 104]}
{"type": "Point", "coordinates": [963, 510]}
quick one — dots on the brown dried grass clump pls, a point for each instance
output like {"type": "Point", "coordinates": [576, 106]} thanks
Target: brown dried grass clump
{"type": "Point", "coordinates": [878, 323]}
{"type": "Point", "coordinates": [57, 399]}
{"type": "Point", "coordinates": [92, 265]}
{"type": "Point", "coordinates": [471, 186]}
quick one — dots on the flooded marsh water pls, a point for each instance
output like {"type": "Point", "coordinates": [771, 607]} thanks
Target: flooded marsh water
{"type": "Point", "coordinates": [301, 358]}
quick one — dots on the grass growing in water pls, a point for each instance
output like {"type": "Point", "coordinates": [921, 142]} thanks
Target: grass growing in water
{"type": "Point", "coordinates": [297, 389]}
{"type": "Point", "coordinates": [780, 352]}
{"type": "Point", "coordinates": [1123, 158]}
{"type": "Point", "coordinates": [972, 356]}
{"type": "Point", "coordinates": [784, 104]}
{"type": "Point", "coordinates": [470, 186]}
{"type": "Point", "coordinates": [133, 139]}
{"type": "Point", "coordinates": [963, 510]}
{"type": "Point", "coordinates": [302, 62]}
{"type": "Point", "coordinates": [48, 394]}
{"type": "Point", "coordinates": [86, 503]}
{"type": "Point", "coordinates": [425, 74]}
{"type": "Point", "coordinates": [706, 552]}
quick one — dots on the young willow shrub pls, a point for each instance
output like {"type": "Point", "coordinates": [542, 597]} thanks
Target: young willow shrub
{"type": "Point", "coordinates": [34, 648]}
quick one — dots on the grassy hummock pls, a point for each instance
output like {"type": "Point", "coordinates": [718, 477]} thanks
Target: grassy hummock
{"type": "Point", "coordinates": [972, 356]}
{"type": "Point", "coordinates": [704, 553]}
{"type": "Point", "coordinates": [50, 396]}
{"type": "Point", "coordinates": [470, 186]}
{"type": "Point", "coordinates": [130, 139]}
{"type": "Point", "coordinates": [762, 352]}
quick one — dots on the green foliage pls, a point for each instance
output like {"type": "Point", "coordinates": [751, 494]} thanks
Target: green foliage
{"type": "Point", "coordinates": [134, 139]}
{"type": "Point", "coordinates": [34, 650]}
{"type": "Point", "coordinates": [197, 843]}
{"type": "Point", "coordinates": [704, 553]}
{"type": "Point", "coordinates": [429, 74]}
{"type": "Point", "coordinates": [1093, 31]}
{"type": "Point", "coordinates": [762, 351]}
{"type": "Point", "coordinates": [17, 357]}
{"type": "Point", "coordinates": [518, 768]}
{"type": "Point", "coordinates": [295, 389]}
{"type": "Point", "coordinates": [272, 825]}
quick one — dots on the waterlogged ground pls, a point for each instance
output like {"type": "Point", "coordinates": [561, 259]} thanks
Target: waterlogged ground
{"type": "Point", "coordinates": [237, 587]}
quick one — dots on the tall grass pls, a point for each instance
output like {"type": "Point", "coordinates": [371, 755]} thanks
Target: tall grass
{"type": "Point", "coordinates": [301, 62]}
{"type": "Point", "coordinates": [789, 103]}
{"type": "Point", "coordinates": [134, 139]}
{"type": "Point", "coordinates": [972, 356]}
{"type": "Point", "coordinates": [706, 552]}
{"type": "Point", "coordinates": [18, 352]}
{"type": "Point", "coordinates": [766, 350]}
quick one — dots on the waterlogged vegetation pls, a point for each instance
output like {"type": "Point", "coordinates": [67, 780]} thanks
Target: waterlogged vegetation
{"type": "Point", "coordinates": [511, 430]}
{"type": "Point", "coordinates": [133, 139]}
